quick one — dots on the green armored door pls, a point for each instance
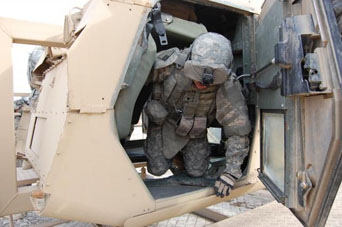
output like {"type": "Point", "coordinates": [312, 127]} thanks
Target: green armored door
{"type": "Point", "coordinates": [298, 85]}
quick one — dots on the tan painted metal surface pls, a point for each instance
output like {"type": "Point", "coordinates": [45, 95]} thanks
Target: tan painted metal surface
{"type": "Point", "coordinates": [84, 172]}
{"type": "Point", "coordinates": [72, 140]}
{"type": "Point", "coordinates": [95, 89]}
{"type": "Point", "coordinates": [33, 33]}
{"type": "Point", "coordinates": [47, 122]}
{"type": "Point", "coordinates": [7, 143]}
{"type": "Point", "coordinates": [74, 124]}
{"type": "Point", "coordinates": [20, 202]}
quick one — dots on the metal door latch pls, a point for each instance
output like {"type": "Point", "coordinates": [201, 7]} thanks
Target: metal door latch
{"type": "Point", "coordinates": [304, 187]}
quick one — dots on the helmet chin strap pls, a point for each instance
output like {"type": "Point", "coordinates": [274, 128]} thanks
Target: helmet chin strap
{"type": "Point", "coordinates": [207, 77]}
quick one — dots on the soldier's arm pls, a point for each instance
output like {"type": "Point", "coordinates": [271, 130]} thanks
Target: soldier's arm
{"type": "Point", "coordinates": [232, 114]}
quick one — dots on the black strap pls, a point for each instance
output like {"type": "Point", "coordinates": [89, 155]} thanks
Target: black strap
{"type": "Point", "coordinates": [158, 23]}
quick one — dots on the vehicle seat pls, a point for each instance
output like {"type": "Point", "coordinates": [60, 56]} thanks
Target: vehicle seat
{"type": "Point", "coordinates": [136, 76]}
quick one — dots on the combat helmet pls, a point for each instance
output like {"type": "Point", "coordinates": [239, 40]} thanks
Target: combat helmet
{"type": "Point", "coordinates": [210, 59]}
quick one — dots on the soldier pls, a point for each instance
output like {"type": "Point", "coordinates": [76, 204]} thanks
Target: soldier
{"type": "Point", "coordinates": [337, 4]}
{"type": "Point", "coordinates": [190, 89]}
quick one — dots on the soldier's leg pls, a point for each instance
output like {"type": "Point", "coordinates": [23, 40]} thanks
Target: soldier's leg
{"type": "Point", "coordinates": [157, 164]}
{"type": "Point", "coordinates": [196, 156]}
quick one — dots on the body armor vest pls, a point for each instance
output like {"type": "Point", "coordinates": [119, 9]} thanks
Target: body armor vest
{"type": "Point", "coordinates": [190, 109]}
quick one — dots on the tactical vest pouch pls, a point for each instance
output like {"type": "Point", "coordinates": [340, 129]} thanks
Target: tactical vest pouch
{"type": "Point", "coordinates": [156, 91]}
{"type": "Point", "coordinates": [191, 100]}
{"type": "Point", "coordinates": [156, 112]}
{"type": "Point", "coordinates": [200, 125]}
{"type": "Point", "coordinates": [169, 85]}
{"type": "Point", "coordinates": [184, 127]}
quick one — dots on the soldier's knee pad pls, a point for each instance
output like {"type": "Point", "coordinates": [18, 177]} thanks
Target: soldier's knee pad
{"type": "Point", "coordinates": [157, 170]}
{"type": "Point", "coordinates": [196, 172]}
{"type": "Point", "coordinates": [196, 157]}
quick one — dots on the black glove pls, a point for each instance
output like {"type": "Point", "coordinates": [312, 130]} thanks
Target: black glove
{"type": "Point", "coordinates": [223, 184]}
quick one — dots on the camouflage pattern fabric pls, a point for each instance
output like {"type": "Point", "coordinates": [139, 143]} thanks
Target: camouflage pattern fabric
{"type": "Point", "coordinates": [196, 107]}
{"type": "Point", "coordinates": [31, 64]}
{"type": "Point", "coordinates": [237, 151]}
{"type": "Point", "coordinates": [156, 112]}
{"type": "Point", "coordinates": [20, 103]}
{"type": "Point", "coordinates": [157, 164]}
{"type": "Point", "coordinates": [212, 49]}
{"type": "Point", "coordinates": [172, 142]}
{"type": "Point", "coordinates": [337, 4]}
{"type": "Point", "coordinates": [232, 114]}
{"type": "Point", "coordinates": [18, 108]}
{"type": "Point", "coordinates": [196, 156]}
{"type": "Point", "coordinates": [231, 110]}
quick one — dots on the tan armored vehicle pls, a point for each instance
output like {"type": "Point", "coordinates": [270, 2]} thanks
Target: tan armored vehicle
{"type": "Point", "coordinates": [92, 82]}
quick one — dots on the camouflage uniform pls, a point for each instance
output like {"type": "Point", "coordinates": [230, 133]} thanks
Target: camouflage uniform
{"type": "Point", "coordinates": [179, 112]}
{"type": "Point", "coordinates": [34, 57]}
{"type": "Point", "coordinates": [337, 4]}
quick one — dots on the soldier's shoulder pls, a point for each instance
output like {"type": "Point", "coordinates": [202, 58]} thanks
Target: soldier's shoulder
{"type": "Point", "coordinates": [229, 83]}
{"type": "Point", "coordinates": [166, 58]}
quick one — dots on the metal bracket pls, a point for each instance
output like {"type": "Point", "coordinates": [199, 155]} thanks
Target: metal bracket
{"type": "Point", "coordinates": [311, 66]}
{"type": "Point", "coordinates": [273, 85]}
{"type": "Point", "coordinates": [295, 34]}
{"type": "Point", "coordinates": [304, 187]}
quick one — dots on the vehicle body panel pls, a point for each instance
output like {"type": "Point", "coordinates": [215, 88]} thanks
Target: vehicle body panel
{"type": "Point", "coordinates": [73, 142]}
{"type": "Point", "coordinates": [33, 33]}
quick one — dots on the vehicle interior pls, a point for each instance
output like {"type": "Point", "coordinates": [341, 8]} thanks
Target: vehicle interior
{"type": "Point", "coordinates": [183, 21]}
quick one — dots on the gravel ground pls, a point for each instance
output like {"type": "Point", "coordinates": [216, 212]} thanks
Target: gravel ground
{"type": "Point", "coordinates": [25, 219]}
{"type": "Point", "coordinates": [231, 208]}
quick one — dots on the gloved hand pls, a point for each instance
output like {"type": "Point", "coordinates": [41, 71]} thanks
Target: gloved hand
{"type": "Point", "coordinates": [223, 185]}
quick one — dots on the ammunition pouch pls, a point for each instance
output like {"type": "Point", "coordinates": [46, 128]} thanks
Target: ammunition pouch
{"type": "Point", "coordinates": [193, 127]}
{"type": "Point", "coordinates": [200, 125]}
{"type": "Point", "coordinates": [184, 126]}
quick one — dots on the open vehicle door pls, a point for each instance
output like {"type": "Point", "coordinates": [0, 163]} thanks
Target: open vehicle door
{"type": "Point", "coordinates": [298, 85]}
